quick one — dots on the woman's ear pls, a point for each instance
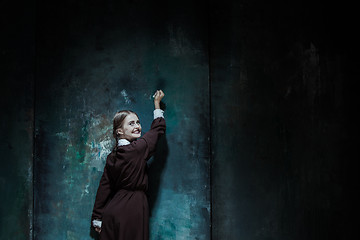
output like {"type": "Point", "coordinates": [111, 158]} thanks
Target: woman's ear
{"type": "Point", "coordinates": [119, 132]}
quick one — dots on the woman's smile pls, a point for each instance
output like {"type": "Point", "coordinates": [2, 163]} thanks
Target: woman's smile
{"type": "Point", "coordinates": [131, 129]}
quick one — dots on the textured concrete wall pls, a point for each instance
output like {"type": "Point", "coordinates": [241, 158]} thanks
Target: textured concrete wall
{"type": "Point", "coordinates": [16, 130]}
{"type": "Point", "coordinates": [281, 75]}
{"type": "Point", "coordinates": [265, 87]}
{"type": "Point", "coordinates": [94, 59]}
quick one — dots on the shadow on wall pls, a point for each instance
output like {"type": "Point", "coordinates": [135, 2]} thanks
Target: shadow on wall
{"type": "Point", "coordinates": [155, 171]}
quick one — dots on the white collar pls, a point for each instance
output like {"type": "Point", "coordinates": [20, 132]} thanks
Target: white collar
{"type": "Point", "coordinates": [123, 142]}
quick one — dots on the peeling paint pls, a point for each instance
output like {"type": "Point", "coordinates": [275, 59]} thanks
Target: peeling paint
{"type": "Point", "coordinates": [126, 97]}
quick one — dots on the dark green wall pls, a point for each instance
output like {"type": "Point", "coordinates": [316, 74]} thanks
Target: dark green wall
{"type": "Point", "coordinates": [17, 120]}
{"type": "Point", "coordinates": [282, 134]}
{"type": "Point", "coordinates": [94, 59]}
{"type": "Point", "coordinates": [259, 107]}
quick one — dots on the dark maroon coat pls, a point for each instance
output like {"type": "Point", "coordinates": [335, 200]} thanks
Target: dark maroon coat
{"type": "Point", "coordinates": [121, 203]}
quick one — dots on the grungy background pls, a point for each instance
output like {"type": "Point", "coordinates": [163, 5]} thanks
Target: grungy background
{"type": "Point", "coordinates": [260, 102]}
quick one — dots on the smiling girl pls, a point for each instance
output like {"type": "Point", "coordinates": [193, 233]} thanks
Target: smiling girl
{"type": "Point", "coordinates": [121, 209]}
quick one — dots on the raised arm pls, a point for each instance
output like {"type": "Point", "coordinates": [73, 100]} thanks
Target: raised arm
{"type": "Point", "coordinates": [159, 94]}
{"type": "Point", "coordinates": [148, 141]}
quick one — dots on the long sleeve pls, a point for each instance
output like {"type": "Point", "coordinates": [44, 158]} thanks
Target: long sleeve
{"type": "Point", "coordinates": [148, 141]}
{"type": "Point", "coordinates": [102, 196]}
{"type": "Point", "coordinates": [158, 128]}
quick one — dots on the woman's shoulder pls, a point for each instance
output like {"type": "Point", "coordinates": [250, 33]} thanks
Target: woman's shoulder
{"type": "Point", "coordinates": [125, 149]}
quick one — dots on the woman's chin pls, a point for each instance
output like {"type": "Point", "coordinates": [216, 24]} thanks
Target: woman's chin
{"type": "Point", "coordinates": [137, 135]}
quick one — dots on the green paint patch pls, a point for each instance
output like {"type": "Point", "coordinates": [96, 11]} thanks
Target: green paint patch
{"type": "Point", "coordinates": [179, 216]}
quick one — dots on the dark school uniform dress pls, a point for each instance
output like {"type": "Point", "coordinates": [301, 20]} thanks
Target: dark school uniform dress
{"type": "Point", "coordinates": [121, 203]}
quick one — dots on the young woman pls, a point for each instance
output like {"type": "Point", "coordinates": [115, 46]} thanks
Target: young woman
{"type": "Point", "coordinates": [121, 209]}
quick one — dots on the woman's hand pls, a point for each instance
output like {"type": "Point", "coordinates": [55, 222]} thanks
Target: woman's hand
{"type": "Point", "coordinates": [98, 229]}
{"type": "Point", "coordinates": [159, 94]}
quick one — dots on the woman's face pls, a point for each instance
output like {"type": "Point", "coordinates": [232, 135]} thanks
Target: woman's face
{"type": "Point", "coordinates": [131, 128]}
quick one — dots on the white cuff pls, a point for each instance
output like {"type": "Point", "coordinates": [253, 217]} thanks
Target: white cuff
{"type": "Point", "coordinates": [97, 223]}
{"type": "Point", "coordinates": [158, 113]}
